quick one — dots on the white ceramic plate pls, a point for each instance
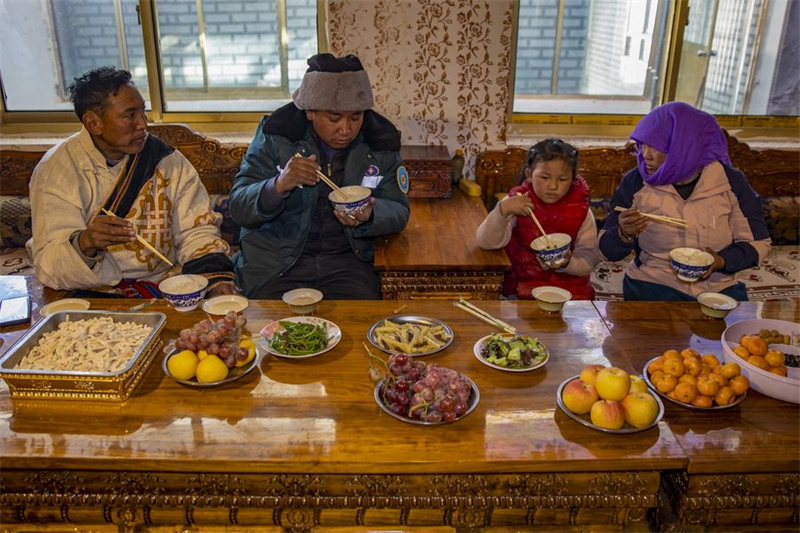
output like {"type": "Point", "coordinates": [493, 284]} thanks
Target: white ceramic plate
{"type": "Point", "coordinates": [482, 342]}
{"type": "Point", "coordinates": [269, 331]}
{"type": "Point", "coordinates": [221, 305]}
{"type": "Point", "coordinates": [67, 304]}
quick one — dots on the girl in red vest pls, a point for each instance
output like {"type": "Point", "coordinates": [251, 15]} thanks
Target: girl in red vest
{"type": "Point", "coordinates": [550, 187]}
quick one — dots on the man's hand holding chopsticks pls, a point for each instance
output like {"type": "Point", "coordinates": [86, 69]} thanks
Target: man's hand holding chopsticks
{"type": "Point", "coordinates": [104, 231]}
{"type": "Point", "coordinates": [299, 171]}
{"type": "Point", "coordinates": [358, 217]}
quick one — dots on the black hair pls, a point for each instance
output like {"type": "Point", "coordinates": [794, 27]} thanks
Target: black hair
{"type": "Point", "coordinates": [90, 91]}
{"type": "Point", "coordinates": [548, 150]}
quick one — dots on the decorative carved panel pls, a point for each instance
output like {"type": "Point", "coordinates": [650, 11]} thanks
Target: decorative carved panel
{"type": "Point", "coordinates": [441, 285]}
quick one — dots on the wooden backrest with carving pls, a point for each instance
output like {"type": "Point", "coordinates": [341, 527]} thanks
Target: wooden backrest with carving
{"type": "Point", "coordinates": [770, 172]}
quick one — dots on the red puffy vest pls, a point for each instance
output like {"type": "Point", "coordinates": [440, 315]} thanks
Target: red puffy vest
{"type": "Point", "coordinates": [565, 216]}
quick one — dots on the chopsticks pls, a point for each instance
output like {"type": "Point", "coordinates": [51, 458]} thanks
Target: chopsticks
{"type": "Point", "coordinates": [142, 241]}
{"type": "Point", "coordinates": [486, 317]}
{"type": "Point", "coordinates": [659, 218]}
{"type": "Point", "coordinates": [541, 229]}
{"type": "Point", "coordinates": [327, 180]}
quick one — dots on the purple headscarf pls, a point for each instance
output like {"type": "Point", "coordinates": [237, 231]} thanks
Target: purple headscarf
{"type": "Point", "coordinates": [691, 139]}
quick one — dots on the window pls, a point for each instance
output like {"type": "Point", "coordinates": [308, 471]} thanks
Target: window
{"type": "Point", "coordinates": [733, 57]}
{"type": "Point", "coordinates": [209, 55]}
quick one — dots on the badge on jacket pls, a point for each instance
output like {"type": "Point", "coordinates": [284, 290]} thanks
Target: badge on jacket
{"type": "Point", "coordinates": [372, 177]}
{"type": "Point", "coordinates": [402, 179]}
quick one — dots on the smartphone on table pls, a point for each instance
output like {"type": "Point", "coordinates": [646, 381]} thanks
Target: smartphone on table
{"type": "Point", "coordinates": [15, 311]}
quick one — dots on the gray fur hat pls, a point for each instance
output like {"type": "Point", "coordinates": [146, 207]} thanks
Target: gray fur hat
{"type": "Point", "coordinates": [332, 83]}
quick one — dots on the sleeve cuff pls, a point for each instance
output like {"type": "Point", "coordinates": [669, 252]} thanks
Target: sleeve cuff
{"type": "Point", "coordinates": [269, 197]}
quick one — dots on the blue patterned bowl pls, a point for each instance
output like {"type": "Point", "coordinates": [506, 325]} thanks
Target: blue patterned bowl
{"type": "Point", "coordinates": [690, 263]}
{"type": "Point", "coordinates": [184, 292]}
{"type": "Point", "coordinates": [357, 198]}
{"type": "Point", "coordinates": [541, 247]}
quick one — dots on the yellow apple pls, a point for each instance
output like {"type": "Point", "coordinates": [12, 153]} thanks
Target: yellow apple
{"type": "Point", "coordinates": [589, 373]}
{"type": "Point", "coordinates": [640, 409]}
{"type": "Point", "coordinates": [579, 397]}
{"type": "Point", "coordinates": [638, 384]}
{"type": "Point", "coordinates": [608, 414]}
{"type": "Point", "coordinates": [612, 383]}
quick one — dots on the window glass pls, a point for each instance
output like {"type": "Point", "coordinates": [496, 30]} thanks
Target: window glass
{"type": "Point", "coordinates": [47, 43]}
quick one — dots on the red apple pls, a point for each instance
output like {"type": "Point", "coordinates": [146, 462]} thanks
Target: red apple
{"type": "Point", "coordinates": [612, 383]}
{"type": "Point", "coordinates": [579, 397]}
{"type": "Point", "coordinates": [589, 373]}
{"type": "Point", "coordinates": [640, 409]}
{"type": "Point", "coordinates": [608, 414]}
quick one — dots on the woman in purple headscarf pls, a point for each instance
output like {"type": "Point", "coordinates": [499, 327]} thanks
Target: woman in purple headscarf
{"type": "Point", "coordinates": [684, 172]}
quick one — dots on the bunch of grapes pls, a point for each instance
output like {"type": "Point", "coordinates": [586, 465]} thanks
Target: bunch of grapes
{"type": "Point", "coordinates": [430, 393]}
{"type": "Point", "coordinates": [220, 338]}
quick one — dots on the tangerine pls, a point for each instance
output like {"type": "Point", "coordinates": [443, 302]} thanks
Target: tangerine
{"type": "Point", "coordinates": [674, 367]}
{"type": "Point", "coordinates": [779, 370]}
{"type": "Point", "coordinates": [719, 378]}
{"type": "Point", "coordinates": [672, 353]}
{"type": "Point", "coordinates": [710, 359]}
{"type": "Point", "coordinates": [730, 370]}
{"type": "Point", "coordinates": [758, 361]}
{"type": "Point", "coordinates": [725, 396]}
{"type": "Point", "coordinates": [755, 345]}
{"type": "Point", "coordinates": [690, 352]}
{"type": "Point", "coordinates": [657, 364]}
{"type": "Point", "coordinates": [742, 352]}
{"type": "Point", "coordinates": [656, 376]}
{"type": "Point", "coordinates": [688, 378]}
{"type": "Point", "coordinates": [693, 366]}
{"type": "Point", "coordinates": [685, 392]}
{"type": "Point", "coordinates": [739, 384]}
{"type": "Point", "coordinates": [775, 358]}
{"type": "Point", "coordinates": [703, 401]}
{"type": "Point", "coordinates": [667, 383]}
{"type": "Point", "coordinates": [707, 386]}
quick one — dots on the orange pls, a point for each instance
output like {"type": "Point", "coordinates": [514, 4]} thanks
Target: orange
{"type": "Point", "coordinates": [758, 361]}
{"type": "Point", "coordinates": [707, 386]}
{"type": "Point", "coordinates": [719, 378]}
{"type": "Point", "coordinates": [710, 360]}
{"type": "Point", "coordinates": [685, 392]}
{"type": "Point", "coordinates": [693, 366]}
{"type": "Point", "coordinates": [672, 353]}
{"type": "Point", "coordinates": [688, 378]}
{"type": "Point", "coordinates": [775, 358]}
{"type": "Point", "coordinates": [725, 396]}
{"type": "Point", "coordinates": [671, 394]}
{"type": "Point", "coordinates": [667, 384]}
{"type": "Point", "coordinates": [674, 367]}
{"type": "Point", "coordinates": [706, 370]}
{"type": "Point", "coordinates": [656, 376]}
{"type": "Point", "coordinates": [730, 370]}
{"type": "Point", "coordinates": [779, 370]}
{"type": "Point", "coordinates": [703, 401]}
{"type": "Point", "coordinates": [755, 345]}
{"type": "Point", "coordinates": [657, 364]}
{"type": "Point", "coordinates": [739, 384]}
{"type": "Point", "coordinates": [690, 352]}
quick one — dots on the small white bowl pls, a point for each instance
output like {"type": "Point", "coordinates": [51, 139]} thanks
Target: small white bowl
{"type": "Point", "coordinates": [184, 292]}
{"type": "Point", "coordinates": [302, 301]}
{"type": "Point", "coordinates": [357, 198]}
{"type": "Point", "coordinates": [222, 305]}
{"type": "Point", "coordinates": [716, 305]}
{"type": "Point", "coordinates": [67, 304]}
{"type": "Point", "coordinates": [540, 246]}
{"type": "Point", "coordinates": [686, 272]}
{"type": "Point", "coordinates": [551, 299]}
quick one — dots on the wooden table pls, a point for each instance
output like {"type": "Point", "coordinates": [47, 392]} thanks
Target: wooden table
{"type": "Point", "coordinates": [437, 255]}
{"type": "Point", "coordinates": [299, 445]}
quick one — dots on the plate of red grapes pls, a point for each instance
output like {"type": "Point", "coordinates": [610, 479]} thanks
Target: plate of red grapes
{"type": "Point", "coordinates": [212, 353]}
{"type": "Point", "coordinates": [425, 394]}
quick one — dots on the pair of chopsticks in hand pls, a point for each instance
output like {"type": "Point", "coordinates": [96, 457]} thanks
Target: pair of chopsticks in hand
{"type": "Point", "coordinates": [538, 225]}
{"type": "Point", "coordinates": [681, 223]}
{"type": "Point", "coordinates": [327, 180]}
{"type": "Point", "coordinates": [486, 317]}
{"type": "Point", "coordinates": [141, 240]}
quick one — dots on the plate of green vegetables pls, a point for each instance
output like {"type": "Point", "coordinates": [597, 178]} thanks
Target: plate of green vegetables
{"type": "Point", "coordinates": [511, 353]}
{"type": "Point", "coordinates": [300, 337]}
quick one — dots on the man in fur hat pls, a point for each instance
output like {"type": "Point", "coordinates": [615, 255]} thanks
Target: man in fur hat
{"type": "Point", "coordinates": [291, 235]}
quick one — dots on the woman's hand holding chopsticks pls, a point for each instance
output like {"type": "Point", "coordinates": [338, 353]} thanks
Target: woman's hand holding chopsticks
{"type": "Point", "coordinates": [299, 171]}
{"type": "Point", "coordinates": [632, 223]}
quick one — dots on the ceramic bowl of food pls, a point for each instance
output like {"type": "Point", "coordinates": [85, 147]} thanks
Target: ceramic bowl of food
{"type": "Point", "coordinates": [716, 305]}
{"type": "Point", "coordinates": [551, 299]}
{"type": "Point", "coordinates": [690, 263]}
{"type": "Point", "coordinates": [184, 292]}
{"type": "Point", "coordinates": [547, 252]}
{"type": "Point", "coordinates": [352, 198]}
{"type": "Point", "coordinates": [302, 301]}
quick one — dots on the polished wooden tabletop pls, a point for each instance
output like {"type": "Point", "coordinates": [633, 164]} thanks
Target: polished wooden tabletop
{"type": "Point", "coordinates": [319, 414]}
{"type": "Point", "coordinates": [440, 236]}
{"type": "Point", "coordinates": [760, 434]}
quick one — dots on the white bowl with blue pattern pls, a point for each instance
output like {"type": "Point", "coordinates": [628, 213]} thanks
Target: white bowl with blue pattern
{"type": "Point", "coordinates": [352, 198]}
{"type": "Point", "coordinates": [548, 253]}
{"type": "Point", "coordinates": [690, 263]}
{"type": "Point", "coordinates": [184, 292]}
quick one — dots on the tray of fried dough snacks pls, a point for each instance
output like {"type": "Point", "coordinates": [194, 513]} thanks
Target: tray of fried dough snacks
{"type": "Point", "coordinates": [83, 355]}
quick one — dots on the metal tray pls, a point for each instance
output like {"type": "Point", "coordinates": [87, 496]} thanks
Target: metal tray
{"type": "Point", "coordinates": [472, 403]}
{"type": "Point", "coordinates": [405, 319]}
{"type": "Point", "coordinates": [652, 386]}
{"type": "Point", "coordinates": [97, 386]}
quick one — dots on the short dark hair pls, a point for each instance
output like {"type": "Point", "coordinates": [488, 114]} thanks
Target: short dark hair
{"type": "Point", "coordinates": [90, 91]}
{"type": "Point", "coordinates": [550, 149]}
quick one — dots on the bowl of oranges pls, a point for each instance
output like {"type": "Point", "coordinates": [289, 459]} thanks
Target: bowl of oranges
{"type": "Point", "coordinates": [695, 381]}
{"type": "Point", "coordinates": [762, 361]}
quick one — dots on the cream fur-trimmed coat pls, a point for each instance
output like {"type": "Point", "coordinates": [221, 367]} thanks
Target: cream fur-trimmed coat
{"type": "Point", "coordinates": [172, 212]}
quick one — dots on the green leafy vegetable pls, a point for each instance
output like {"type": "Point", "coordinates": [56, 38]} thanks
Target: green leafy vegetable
{"type": "Point", "coordinates": [299, 338]}
{"type": "Point", "coordinates": [513, 351]}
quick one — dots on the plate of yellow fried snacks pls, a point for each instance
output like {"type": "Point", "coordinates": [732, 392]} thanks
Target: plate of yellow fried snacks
{"type": "Point", "coordinates": [409, 334]}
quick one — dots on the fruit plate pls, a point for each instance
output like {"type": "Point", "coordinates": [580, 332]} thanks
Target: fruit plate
{"type": "Point", "coordinates": [652, 386]}
{"type": "Point", "coordinates": [401, 320]}
{"type": "Point", "coordinates": [268, 333]}
{"type": "Point", "coordinates": [481, 344]}
{"type": "Point", "coordinates": [233, 374]}
{"type": "Point", "coordinates": [472, 402]}
{"type": "Point", "coordinates": [584, 419]}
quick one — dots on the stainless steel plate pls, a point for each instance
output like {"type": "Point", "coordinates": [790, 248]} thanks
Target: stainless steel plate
{"type": "Point", "coordinates": [646, 376]}
{"type": "Point", "coordinates": [233, 374]}
{"type": "Point", "coordinates": [472, 402]}
{"type": "Point", "coordinates": [584, 419]}
{"type": "Point", "coordinates": [413, 319]}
